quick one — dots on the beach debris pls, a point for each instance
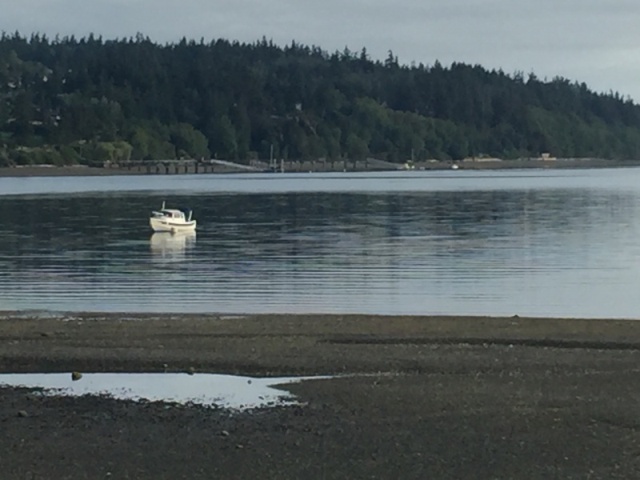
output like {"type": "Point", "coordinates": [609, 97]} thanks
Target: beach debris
{"type": "Point", "coordinates": [75, 376]}
{"type": "Point", "coordinates": [23, 413]}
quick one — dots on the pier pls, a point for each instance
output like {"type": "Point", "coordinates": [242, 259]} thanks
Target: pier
{"type": "Point", "coordinates": [192, 166]}
{"type": "Point", "coordinates": [182, 166]}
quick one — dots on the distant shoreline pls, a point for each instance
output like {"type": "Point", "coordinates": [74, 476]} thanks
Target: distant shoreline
{"type": "Point", "coordinates": [295, 167]}
{"type": "Point", "coordinates": [53, 171]}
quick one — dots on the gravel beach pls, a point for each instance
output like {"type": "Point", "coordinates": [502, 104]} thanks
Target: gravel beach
{"type": "Point", "coordinates": [412, 397]}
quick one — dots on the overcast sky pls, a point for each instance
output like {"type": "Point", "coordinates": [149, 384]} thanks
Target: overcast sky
{"type": "Point", "coordinates": [591, 41]}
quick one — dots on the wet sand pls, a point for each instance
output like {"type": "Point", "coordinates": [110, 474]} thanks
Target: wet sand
{"type": "Point", "coordinates": [416, 397]}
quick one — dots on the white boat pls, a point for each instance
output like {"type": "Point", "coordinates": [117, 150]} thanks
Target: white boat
{"type": "Point", "coordinates": [171, 220]}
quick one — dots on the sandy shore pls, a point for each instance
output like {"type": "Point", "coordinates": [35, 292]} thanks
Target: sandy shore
{"type": "Point", "coordinates": [432, 397]}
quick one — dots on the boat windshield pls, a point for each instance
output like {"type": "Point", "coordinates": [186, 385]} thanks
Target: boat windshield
{"type": "Point", "coordinates": [172, 213]}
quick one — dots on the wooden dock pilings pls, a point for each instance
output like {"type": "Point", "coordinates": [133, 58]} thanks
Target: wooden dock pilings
{"type": "Point", "coordinates": [165, 167]}
{"type": "Point", "coordinates": [190, 166]}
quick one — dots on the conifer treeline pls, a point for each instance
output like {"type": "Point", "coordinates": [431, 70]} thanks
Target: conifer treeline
{"type": "Point", "coordinates": [89, 100]}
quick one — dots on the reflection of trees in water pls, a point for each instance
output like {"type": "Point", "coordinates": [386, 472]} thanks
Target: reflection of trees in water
{"type": "Point", "coordinates": [80, 214]}
{"type": "Point", "coordinates": [331, 222]}
{"type": "Point", "coordinates": [323, 223]}
{"type": "Point", "coordinates": [403, 251]}
{"type": "Point", "coordinates": [463, 212]}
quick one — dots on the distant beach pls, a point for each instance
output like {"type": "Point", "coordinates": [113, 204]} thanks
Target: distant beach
{"type": "Point", "coordinates": [468, 164]}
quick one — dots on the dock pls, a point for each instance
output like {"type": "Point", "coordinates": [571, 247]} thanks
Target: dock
{"type": "Point", "coordinates": [192, 166]}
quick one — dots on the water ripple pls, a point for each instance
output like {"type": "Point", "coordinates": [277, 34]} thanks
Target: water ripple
{"type": "Point", "coordinates": [542, 245]}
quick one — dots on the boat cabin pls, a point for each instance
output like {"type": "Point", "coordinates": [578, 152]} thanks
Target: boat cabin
{"type": "Point", "coordinates": [169, 213]}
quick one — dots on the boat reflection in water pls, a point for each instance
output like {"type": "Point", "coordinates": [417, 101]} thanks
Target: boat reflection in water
{"type": "Point", "coordinates": [170, 247]}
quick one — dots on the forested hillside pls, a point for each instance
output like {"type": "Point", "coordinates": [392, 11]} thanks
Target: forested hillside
{"type": "Point", "coordinates": [89, 100]}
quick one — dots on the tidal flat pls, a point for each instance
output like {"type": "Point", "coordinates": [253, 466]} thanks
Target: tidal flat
{"type": "Point", "coordinates": [412, 397]}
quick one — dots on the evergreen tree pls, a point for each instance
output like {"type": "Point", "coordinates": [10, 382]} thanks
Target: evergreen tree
{"type": "Point", "coordinates": [89, 101]}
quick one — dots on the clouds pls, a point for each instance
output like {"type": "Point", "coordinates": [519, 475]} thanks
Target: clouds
{"type": "Point", "coordinates": [585, 40]}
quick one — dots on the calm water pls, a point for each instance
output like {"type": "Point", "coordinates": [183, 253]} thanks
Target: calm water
{"type": "Point", "coordinates": [226, 391]}
{"type": "Point", "coordinates": [543, 243]}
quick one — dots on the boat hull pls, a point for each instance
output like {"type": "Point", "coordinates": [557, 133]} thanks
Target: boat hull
{"type": "Point", "coordinates": [167, 225]}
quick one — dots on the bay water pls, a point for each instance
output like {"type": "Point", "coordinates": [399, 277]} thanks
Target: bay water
{"type": "Point", "coordinates": [562, 243]}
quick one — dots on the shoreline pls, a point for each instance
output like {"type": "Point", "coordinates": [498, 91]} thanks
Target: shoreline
{"type": "Point", "coordinates": [52, 171]}
{"type": "Point", "coordinates": [560, 164]}
{"type": "Point", "coordinates": [415, 397]}
{"type": "Point", "coordinates": [280, 345]}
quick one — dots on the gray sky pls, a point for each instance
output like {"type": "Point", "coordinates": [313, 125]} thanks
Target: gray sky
{"type": "Point", "coordinates": [591, 41]}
